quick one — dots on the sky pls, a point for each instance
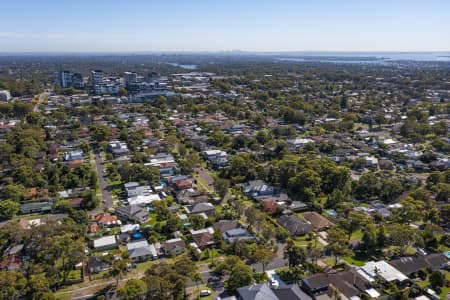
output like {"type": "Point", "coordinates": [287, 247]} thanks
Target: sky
{"type": "Point", "coordinates": [213, 25]}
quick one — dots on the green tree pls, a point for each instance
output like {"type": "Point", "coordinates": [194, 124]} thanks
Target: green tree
{"type": "Point", "coordinates": [437, 279]}
{"type": "Point", "coordinates": [8, 209]}
{"type": "Point", "coordinates": [295, 254]}
{"type": "Point", "coordinates": [337, 243]}
{"type": "Point", "coordinates": [264, 256]}
{"type": "Point", "coordinates": [133, 289]}
{"type": "Point", "coordinates": [118, 269]}
{"type": "Point", "coordinates": [38, 286]}
{"type": "Point", "coordinates": [402, 236]}
{"type": "Point", "coordinates": [240, 275]}
{"type": "Point", "coordinates": [222, 186]}
{"type": "Point", "coordinates": [13, 285]}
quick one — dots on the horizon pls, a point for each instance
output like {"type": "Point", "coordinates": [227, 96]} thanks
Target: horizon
{"type": "Point", "coordinates": [197, 26]}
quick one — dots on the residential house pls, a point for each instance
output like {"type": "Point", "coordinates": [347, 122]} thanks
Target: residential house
{"type": "Point", "coordinates": [134, 213]}
{"type": "Point", "coordinates": [225, 225]}
{"type": "Point", "coordinates": [409, 265]}
{"type": "Point", "coordinates": [257, 188]}
{"type": "Point", "coordinates": [383, 269]}
{"type": "Point", "coordinates": [200, 208]}
{"type": "Point", "coordinates": [316, 284]}
{"type": "Point", "coordinates": [141, 251]}
{"type": "Point", "coordinates": [190, 196]}
{"type": "Point", "coordinates": [298, 206]}
{"type": "Point", "coordinates": [352, 284]}
{"type": "Point", "coordinates": [105, 243]}
{"type": "Point", "coordinates": [13, 260]}
{"type": "Point", "coordinates": [174, 246]}
{"type": "Point", "coordinates": [290, 292]}
{"type": "Point", "coordinates": [143, 199]}
{"type": "Point", "coordinates": [203, 237]}
{"type": "Point", "coordinates": [437, 261]}
{"type": "Point", "coordinates": [297, 143]}
{"type": "Point", "coordinates": [134, 189]}
{"type": "Point", "coordinates": [106, 219]}
{"type": "Point", "coordinates": [74, 155]}
{"type": "Point", "coordinates": [36, 207]}
{"type": "Point", "coordinates": [318, 221]}
{"type": "Point", "coordinates": [210, 155]}
{"type": "Point", "coordinates": [238, 234]}
{"type": "Point", "coordinates": [97, 264]}
{"type": "Point", "coordinates": [256, 292]}
{"type": "Point", "coordinates": [168, 169]}
{"type": "Point", "coordinates": [295, 225]}
{"type": "Point", "coordinates": [118, 148]}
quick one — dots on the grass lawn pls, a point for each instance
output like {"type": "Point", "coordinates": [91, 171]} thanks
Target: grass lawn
{"type": "Point", "coordinates": [202, 185]}
{"type": "Point", "coordinates": [329, 261]}
{"type": "Point", "coordinates": [65, 296]}
{"type": "Point", "coordinates": [356, 236]}
{"type": "Point", "coordinates": [303, 241]}
{"type": "Point", "coordinates": [354, 260]}
{"type": "Point", "coordinates": [142, 267]}
{"type": "Point", "coordinates": [196, 292]}
{"type": "Point", "coordinates": [100, 275]}
{"type": "Point", "coordinates": [444, 292]}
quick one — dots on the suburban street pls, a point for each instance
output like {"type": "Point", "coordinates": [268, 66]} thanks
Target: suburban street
{"type": "Point", "coordinates": [106, 194]}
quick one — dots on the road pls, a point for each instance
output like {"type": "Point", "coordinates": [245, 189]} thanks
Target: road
{"type": "Point", "coordinates": [41, 98]}
{"type": "Point", "coordinates": [106, 194]}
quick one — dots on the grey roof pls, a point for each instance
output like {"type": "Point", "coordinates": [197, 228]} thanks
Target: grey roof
{"type": "Point", "coordinates": [291, 292]}
{"type": "Point", "coordinates": [256, 292]}
{"type": "Point", "coordinates": [237, 234]}
{"type": "Point", "coordinates": [409, 265]}
{"type": "Point", "coordinates": [143, 251]}
{"type": "Point", "coordinates": [132, 211]}
{"type": "Point", "coordinates": [15, 249]}
{"type": "Point", "coordinates": [315, 281]}
{"type": "Point", "coordinates": [199, 207]}
{"type": "Point", "coordinates": [436, 260]}
{"type": "Point", "coordinates": [295, 225]}
{"type": "Point", "coordinates": [224, 225]}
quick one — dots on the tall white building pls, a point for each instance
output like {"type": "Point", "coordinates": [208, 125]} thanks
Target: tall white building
{"type": "Point", "coordinates": [130, 77]}
{"type": "Point", "coordinates": [64, 79]}
{"type": "Point", "coordinates": [97, 77]}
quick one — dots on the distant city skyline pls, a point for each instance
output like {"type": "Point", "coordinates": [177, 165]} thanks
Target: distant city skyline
{"type": "Point", "coordinates": [202, 25]}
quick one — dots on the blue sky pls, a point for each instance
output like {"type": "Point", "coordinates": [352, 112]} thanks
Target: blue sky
{"type": "Point", "coordinates": [197, 25]}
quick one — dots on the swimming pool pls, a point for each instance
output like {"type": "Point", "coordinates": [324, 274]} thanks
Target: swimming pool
{"type": "Point", "coordinates": [332, 212]}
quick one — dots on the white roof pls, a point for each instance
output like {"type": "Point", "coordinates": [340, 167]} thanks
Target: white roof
{"type": "Point", "coordinates": [143, 199]}
{"type": "Point", "coordinates": [129, 228]}
{"type": "Point", "coordinates": [365, 275]}
{"type": "Point", "coordinates": [105, 241]}
{"type": "Point", "coordinates": [213, 152]}
{"type": "Point", "coordinates": [389, 141]}
{"type": "Point", "coordinates": [300, 141]}
{"type": "Point", "coordinates": [385, 270]}
{"type": "Point", "coordinates": [422, 298]}
{"type": "Point", "coordinates": [138, 244]}
{"type": "Point", "coordinates": [209, 230]}
{"type": "Point", "coordinates": [373, 293]}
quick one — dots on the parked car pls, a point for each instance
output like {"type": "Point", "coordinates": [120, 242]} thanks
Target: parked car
{"type": "Point", "coordinates": [204, 293]}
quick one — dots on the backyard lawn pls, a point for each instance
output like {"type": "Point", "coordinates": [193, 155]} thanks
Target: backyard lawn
{"type": "Point", "coordinates": [355, 260]}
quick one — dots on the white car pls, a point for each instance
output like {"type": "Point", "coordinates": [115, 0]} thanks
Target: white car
{"type": "Point", "coordinates": [204, 293]}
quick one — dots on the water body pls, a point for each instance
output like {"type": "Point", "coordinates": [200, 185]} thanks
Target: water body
{"type": "Point", "coordinates": [368, 57]}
